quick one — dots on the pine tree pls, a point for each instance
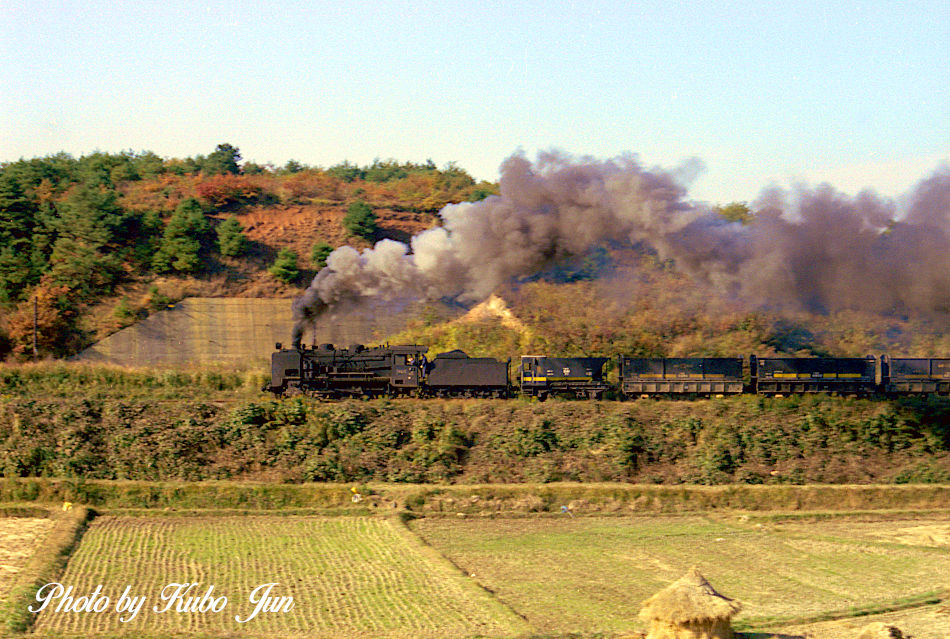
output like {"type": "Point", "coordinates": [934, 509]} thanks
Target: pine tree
{"type": "Point", "coordinates": [285, 266]}
{"type": "Point", "coordinates": [360, 220]}
{"type": "Point", "coordinates": [182, 239]}
{"type": "Point", "coordinates": [319, 254]}
{"type": "Point", "coordinates": [231, 241]}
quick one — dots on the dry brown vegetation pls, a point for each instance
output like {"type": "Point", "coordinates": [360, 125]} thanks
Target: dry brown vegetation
{"type": "Point", "coordinates": [19, 539]}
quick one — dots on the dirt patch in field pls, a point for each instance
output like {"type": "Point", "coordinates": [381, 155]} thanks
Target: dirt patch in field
{"type": "Point", "coordinates": [19, 538]}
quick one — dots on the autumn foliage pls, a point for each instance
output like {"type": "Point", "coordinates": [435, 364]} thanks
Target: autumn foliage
{"type": "Point", "coordinates": [227, 191]}
{"type": "Point", "coordinates": [56, 315]}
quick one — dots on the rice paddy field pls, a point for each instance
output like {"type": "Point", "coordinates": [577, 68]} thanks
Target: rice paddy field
{"type": "Point", "coordinates": [590, 574]}
{"type": "Point", "coordinates": [19, 538]}
{"type": "Point", "coordinates": [510, 576]}
{"type": "Point", "coordinates": [348, 576]}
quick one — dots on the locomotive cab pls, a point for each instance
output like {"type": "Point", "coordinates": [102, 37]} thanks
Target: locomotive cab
{"type": "Point", "coordinates": [285, 370]}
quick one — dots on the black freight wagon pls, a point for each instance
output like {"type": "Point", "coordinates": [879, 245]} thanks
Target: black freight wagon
{"type": "Point", "coordinates": [915, 375]}
{"type": "Point", "coordinates": [581, 376]}
{"type": "Point", "coordinates": [682, 376]}
{"type": "Point", "coordinates": [793, 375]}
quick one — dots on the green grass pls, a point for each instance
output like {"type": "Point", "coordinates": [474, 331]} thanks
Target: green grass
{"type": "Point", "coordinates": [479, 499]}
{"type": "Point", "coordinates": [591, 574]}
{"type": "Point", "coordinates": [349, 576]}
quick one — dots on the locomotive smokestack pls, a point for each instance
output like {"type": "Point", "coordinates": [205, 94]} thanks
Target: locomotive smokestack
{"type": "Point", "coordinates": [306, 310]}
{"type": "Point", "coordinates": [297, 339]}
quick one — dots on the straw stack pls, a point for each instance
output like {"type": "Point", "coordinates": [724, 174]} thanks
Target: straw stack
{"type": "Point", "coordinates": [689, 608]}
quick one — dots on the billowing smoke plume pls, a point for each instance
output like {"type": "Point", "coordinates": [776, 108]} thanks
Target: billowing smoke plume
{"type": "Point", "coordinates": [815, 249]}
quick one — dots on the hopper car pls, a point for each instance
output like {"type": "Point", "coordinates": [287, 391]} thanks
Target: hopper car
{"type": "Point", "coordinates": [680, 376]}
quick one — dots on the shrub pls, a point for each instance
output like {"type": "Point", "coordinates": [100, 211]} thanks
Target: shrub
{"type": "Point", "coordinates": [360, 220]}
{"type": "Point", "coordinates": [321, 251]}
{"type": "Point", "coordinates": [231, 241]}
{"type": "Point", "coordinates": [285, 266]}
{"type": "Point", "coordinates": [227, 191]}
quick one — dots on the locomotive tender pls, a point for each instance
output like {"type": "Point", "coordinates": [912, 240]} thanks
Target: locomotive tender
{"type": "Point", "coordinates": [328, 372]}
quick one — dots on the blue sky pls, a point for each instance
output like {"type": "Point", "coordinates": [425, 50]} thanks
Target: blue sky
{"type": "Point", "coordinates": [853, 93]}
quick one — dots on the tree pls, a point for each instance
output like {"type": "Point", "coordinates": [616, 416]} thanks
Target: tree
{"type": "Point", "coordinates": [253, 168]}
{"type": "Point", "coordinates": [231, 241]}
{"type": "Point", "coordinates": [224, 159]}
{"type": "Point", "coordinates": [57, 331]}
{"type": "Point", "coordinates": [285, 266]}
{"type": "Point", "coordinates": [321, 251]}
{"type": "Point", "coordinates": [182, 239]}
{"type": "Point", "coordinates": [148, 165]}
{"type": "Point", "coordinates": [736, 212]}
{"type": "Point", "coordinates": [92, 234]}
{"type": "Point", "coordinates": [360, 220]}
{"type": "Point", "coordinates": [17, 211]}
{"type": "Point", "coordinates": [293, 166]}
{"type": "Point", "coordinates": [92, 215]}
{"type": "Point", "coordinates": [83, 268]}
{"type": "Point", "coordinates": [18, 270]}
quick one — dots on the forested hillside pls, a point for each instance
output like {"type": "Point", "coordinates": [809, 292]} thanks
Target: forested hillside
{"type": "Point", "coordinates": [104, 239]}
{"type": "Point", "coordinates": [101, 241]}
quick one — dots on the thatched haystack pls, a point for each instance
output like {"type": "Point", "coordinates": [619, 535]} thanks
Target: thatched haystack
{"type": "Point", "coordinates": [880, 630]}
{"type": "Point", "coordinates": [689, 608]}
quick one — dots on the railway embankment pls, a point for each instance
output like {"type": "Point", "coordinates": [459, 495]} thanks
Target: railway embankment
{"type": "Point", "coordinates": [213, 425]}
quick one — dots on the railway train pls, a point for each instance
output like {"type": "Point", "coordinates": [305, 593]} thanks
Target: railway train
{"type": "Point", "coordinates": [358, 371]}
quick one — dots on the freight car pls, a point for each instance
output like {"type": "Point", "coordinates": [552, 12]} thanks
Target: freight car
{"type": "Point", "coordinates": [580, 376]}
{"type": "Point", "coordinates": [796, 375]}
{"type": "Point", "coordinates": [915, 376]}
{"type": "Point", "coordinates": [680, 376]}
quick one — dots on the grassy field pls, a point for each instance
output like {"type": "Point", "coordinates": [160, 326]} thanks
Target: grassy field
{"type": "Point", "coordinates": [591, 574]}
{"type": "Point", "coordinates": [349, 577]}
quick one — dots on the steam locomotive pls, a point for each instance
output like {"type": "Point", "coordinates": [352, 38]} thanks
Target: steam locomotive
{"type": "Point", "coordinates": [359, 371]}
